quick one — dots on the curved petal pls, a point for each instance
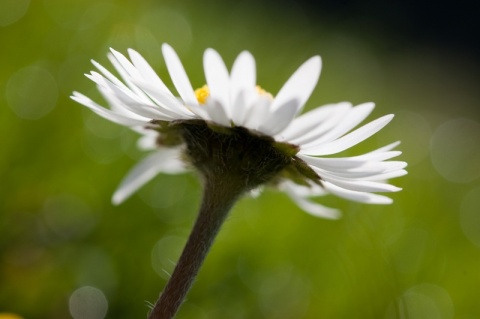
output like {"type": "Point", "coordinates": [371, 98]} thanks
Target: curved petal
{"type": "Point", "coordinates": [347, 162]}
{"type": "Point", "coordinates": [310, 207]}
{"type": "Point", "coordinates": [169, 105]}
{"type": "Point", "coordinates": [178, 75]}
{"type": "Point", "coordinates": [362, 186]}
{"type": "Point", "coordinates": [217, 113]}
{"type": "Point", "coordinates": [242, 79]}
{"type": "Point", "coordinates": [164, 160]}
{"type": "Point", "coordinates": [332, 119]}
{"type": "Point", "coordinates": [279, 119]}
{"type": "Point", "coordinates": [307, 121]}
{"type": "Point", "coordinates": [356, 196]}
{"type": "Point", "coordinates": [348, 140]}
{"type": "Point", "coordinates": [354, 117]}
{"type": "Point", "coordinates": [217, 77]}
{"type": "Point", "coordinates": [147, 73]}
{"type": "Point", "coordinates": [106, 113]}
{"type": "Point", "coordinates": [300, 85]}
{"type": "Point", "coordinates": [129, 99]}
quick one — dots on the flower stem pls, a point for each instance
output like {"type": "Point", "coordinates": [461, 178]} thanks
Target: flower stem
{"type": "Point", "coordinates": [218, 198]}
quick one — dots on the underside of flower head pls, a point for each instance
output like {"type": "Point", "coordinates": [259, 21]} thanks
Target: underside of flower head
{"type": "Point", "coordinates": [233, 128]}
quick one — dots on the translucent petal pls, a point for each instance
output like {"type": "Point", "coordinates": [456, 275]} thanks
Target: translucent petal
{"type": "Point", "coordinates": [347, 162]}
{"type": "Point", "coordinates": [356, 196]}
{"type": "Point", "coordinates": [242, 79]}
{"type": "Point", "coordinates": [130, 100]}
{"type": "Point", "coordinates": [309, 206]}
{"type": "Point", "coordinates": [386, 148]}
{"type": "Point", "coordinates": [279, 119]}
{"type": "Point", "coordinates": [217, 77]}
{"type": "Point", "coordinates": [147, 73]}
{"type": "Point", "coordinates": [307, 121]}
{"type": "Point", "coordinates": [348, 140]}
{"type": "Point", "coordinates": [127, 71]}
{"type": "Point", "coordinates": [354, 117]}
{"type": "Point", "coordinates": [106, 113]}
{"type": "Point", "coordinates": [217, 113]}
{"type": "Point", "coordinates": [257, 113]}
{"type": "Point", "coordinates": [362, 186]}
{"type": "Point", "coordinates": [300, 85]}
{"type": "Point", "coordinates": [327, 124]}
{"type": "Point", "coordinates": [178, 75]}
{"type": "Point", "coordinates": [164, 160]}
{"type": "Point", "coordinates": [168, 104]}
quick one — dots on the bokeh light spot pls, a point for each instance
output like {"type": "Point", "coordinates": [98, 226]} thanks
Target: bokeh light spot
{"type": "Point", "coordinates": [470, 216]}
{"type": "Point", "coordinates": [32, 92]}
{"type": "Point", "coordinates": [455, 152]}
{"type": "Point", "coordinates": [95, 267]}
{"type": "Point", "coordinates": [424, 301]}
{"type": "Point", "coordinates": [12, 10]}
{"type": "Point", "coordinates": [165, 255]}
{"type": "Point", "coordinates": [88, 303]}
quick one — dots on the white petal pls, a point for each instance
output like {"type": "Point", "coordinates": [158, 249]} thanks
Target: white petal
{"type": "Point", "coordinates": [322, 126]}
{"type": "Point", "coordinates": [361, 197]}
{"type": "Point", "coordinates": [217, 113]}
{"type": "Point", "coordinates": [130, 100]}
{"type": "Point", "coordinates": [127, 71]}
{"type": "Point", "coordinates": [347, 167]}
{"type": "Point", "coordinates": [309, 206]}
{"type": "Point", "coordinates": [347, 162]}
{"type": "Point", "coordinates": [257, 113]}
{"type": "Point", "coordinates": [307, 121]}
{"type": "Point", "coordinates": [366, 171]}
{"type": "Point", "coordinates": [386, 148]}
{"type": "Point", "coordinates": [300, 85]}
{"type": "Point", "coordinates": [362, 186]}
{"type": "Point", "coordinates": [385, 176]}
{"type": "Point", "coordinates": [279, 119]}
{"type": "Point", "coordinates": [147, 73]}
{"type": "Point", "coordinates": [242, 79]}
{"type": "Point", "coordinates": [168, 104]}
{"type": "Point", "coordinates": [354, 117]}
{"type": "Point", "coordinates": [217, 77]}
{"type": "Point", "coordinates": [164, 160]}
{"type": "Point", "coordinates": [108, 74]}
{"type": "Point", "coordinates": [106, 113]}
{"type": "Point", "coordinates": [178, 75]}
{"type": "Point", "coordinates": [148, 142]}
{"type": "Point", "coordinates": [243, 104]}
{"type": "Point", "coordinates": [350, 139]}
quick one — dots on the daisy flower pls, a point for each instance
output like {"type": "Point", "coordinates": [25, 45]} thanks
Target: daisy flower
{"type": "Point", "coordinates": [239, 137]}
{"type": "Point", "coordinates": [232, 101]}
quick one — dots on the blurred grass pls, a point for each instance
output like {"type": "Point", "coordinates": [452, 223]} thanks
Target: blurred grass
{"type": "Point", "coordinates": [418, 258]}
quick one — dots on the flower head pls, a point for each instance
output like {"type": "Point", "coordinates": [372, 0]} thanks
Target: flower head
{"type": "Point", "coordinates": [233, 128]}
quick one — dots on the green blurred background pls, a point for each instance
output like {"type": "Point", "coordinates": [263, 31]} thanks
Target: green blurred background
{"type": "Point", "coordinates": [62, 243]}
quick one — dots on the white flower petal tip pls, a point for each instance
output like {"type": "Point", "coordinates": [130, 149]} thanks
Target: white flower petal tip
{"type": "Point", "coordinates": [301, 84]}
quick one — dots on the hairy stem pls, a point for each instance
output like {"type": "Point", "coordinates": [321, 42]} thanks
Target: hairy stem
{"type": "Point", "coordinates": [218, 198]}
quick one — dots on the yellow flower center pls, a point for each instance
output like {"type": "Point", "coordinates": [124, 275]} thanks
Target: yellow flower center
{"type": "Point", "coordinates": [261, 91]}
{"type": "Point", "coordinates": [203, 93]}
{"type": "Point", "coordinates": [4, 315]}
